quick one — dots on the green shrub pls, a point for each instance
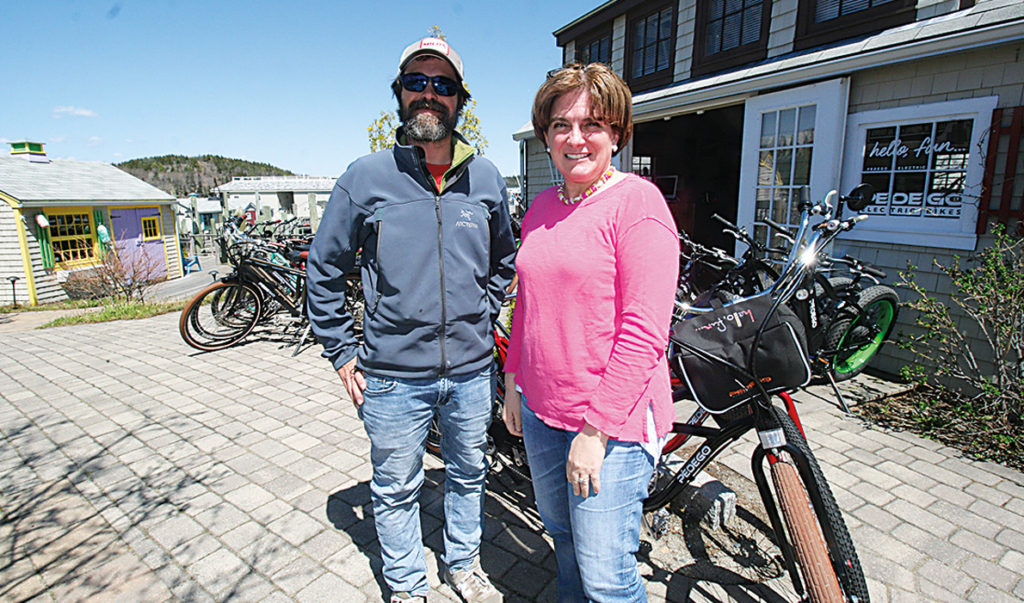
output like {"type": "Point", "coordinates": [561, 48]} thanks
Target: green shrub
{"type": "Point", "coordinates": [975, 365]}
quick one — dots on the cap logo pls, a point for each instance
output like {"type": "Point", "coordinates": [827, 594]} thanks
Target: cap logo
{"type": "Point", "coordinates": [434, 44]}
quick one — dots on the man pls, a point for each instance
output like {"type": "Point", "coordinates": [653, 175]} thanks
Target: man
{"type": "Point", "coordinates": [430, 222]}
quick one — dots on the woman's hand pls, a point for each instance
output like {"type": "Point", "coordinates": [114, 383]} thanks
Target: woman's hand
{"type": "Point", "coordinates": [586, 455]}
{"type": "Point", "coordinates": [513, 411]}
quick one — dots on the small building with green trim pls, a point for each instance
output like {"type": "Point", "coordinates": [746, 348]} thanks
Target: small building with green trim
{"type": "Point", "coordinates": [58, 215]}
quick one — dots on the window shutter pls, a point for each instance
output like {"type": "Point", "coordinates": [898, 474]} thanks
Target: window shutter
{"type": "Point", "coordinates": [45, 249]}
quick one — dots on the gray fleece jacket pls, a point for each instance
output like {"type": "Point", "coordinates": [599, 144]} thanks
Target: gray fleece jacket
{"type": "Point", "coordinates": [434, 264]}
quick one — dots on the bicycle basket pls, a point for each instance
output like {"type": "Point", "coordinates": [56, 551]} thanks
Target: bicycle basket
{"type": "Point", "coordinates": [715, 348]}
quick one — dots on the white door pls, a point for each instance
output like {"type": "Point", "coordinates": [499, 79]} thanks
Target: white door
{"type": "Point", "coordinates": [792, 146]}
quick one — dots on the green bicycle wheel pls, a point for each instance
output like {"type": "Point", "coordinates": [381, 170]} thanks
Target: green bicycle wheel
{"type": "Point", "coordinates": [855, 340]}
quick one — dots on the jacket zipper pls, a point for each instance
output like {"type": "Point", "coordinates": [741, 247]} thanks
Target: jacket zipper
{"type": "Point", "coordinates": [440, 264]}
{"type": "Point", "coordinates": [440, 251]}
{"type": "Point", "coordinates": [380, 273]}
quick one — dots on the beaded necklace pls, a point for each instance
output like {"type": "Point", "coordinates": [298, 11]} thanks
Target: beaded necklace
{"type": "Point", "coordinates": [565, 198]}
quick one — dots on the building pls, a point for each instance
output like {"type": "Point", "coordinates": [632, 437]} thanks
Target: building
{"type": "Point", "coordinates": [742, 107]}
{"type": "Point", "coordinates": [57, 216]}
{"type": "Point", "coordinates": [277, 196]}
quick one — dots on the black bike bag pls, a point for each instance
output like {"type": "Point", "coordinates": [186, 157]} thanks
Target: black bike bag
{"type": "Point", "coordinates": [715, 343]}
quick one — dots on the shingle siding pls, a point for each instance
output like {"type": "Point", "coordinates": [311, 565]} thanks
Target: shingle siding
{"type": "Point", "coordinates": [783, 27]}
{"type": "Point", "coordinates": [685, 38]}
{"type": "Point", "coordinates": [10, 258]}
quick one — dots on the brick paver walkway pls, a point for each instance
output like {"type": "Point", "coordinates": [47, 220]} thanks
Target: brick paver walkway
{"type": "Point", "coordinates": [135, 468]}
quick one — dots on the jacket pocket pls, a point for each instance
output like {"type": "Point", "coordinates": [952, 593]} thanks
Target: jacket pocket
{"type": "Point", "coordinates": [372, 306]}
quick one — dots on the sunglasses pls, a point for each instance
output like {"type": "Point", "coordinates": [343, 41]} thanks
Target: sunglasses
{"type": "Point", "coordinates": [417, 82]}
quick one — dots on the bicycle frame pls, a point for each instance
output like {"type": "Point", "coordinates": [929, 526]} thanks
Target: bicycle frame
{"type": "Point", "coordinates": [284, 284]}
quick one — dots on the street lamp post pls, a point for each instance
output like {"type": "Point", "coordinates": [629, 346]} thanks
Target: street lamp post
{"type": "Point", "coordinates": [14, 291]}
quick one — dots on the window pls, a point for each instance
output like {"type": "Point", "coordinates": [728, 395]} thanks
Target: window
{"type": "Point", "coordinates": [730, 33]}
{"type": "Point", "coordinates": [926, 166]}
{"type": "Point", "coordinates": [918, 169]}
{"type": "Point", "coordinates": [595, 50]}
{"type": "Point", "coordinates": [150, 228]}
{"type": "Point", "coordinates": [71, 238]}
{"type": "Point", "coordinates": [833, 9]}
{"type": "Point", "coordinates": [825, 21]}
{"type": "Point", "coordinates": [642, 165]}
{"type": "Point", "coordinates": [784, 165]}
{"type": "Point", "coordinates": [652, 48]}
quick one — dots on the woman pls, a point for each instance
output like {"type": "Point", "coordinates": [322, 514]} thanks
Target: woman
{"type": "Point", "coordinates": [597, 277]}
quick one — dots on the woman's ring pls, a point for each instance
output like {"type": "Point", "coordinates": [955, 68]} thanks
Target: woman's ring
{"type": "Point", "coordinates": [581, 479]}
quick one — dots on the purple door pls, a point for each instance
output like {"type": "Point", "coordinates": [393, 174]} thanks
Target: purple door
{"type": "Point", "coordinates": [139, 242]}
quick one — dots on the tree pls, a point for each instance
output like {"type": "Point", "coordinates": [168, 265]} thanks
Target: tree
{"type": "Point", "coordinates": [381, 131]}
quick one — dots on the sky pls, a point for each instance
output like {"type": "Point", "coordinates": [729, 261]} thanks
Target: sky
{"type": "Point", "coordinates": [292, 83]}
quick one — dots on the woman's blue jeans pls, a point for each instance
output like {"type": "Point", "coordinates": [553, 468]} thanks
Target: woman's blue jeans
{"type": "Point", "coordinates": [596, 538]}
{"type": "Point", "coordinates": [396, 414]}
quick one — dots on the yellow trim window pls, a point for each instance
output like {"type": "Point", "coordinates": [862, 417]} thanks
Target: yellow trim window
{"type": "Point", "coordinates": [72, 239]}
{"type": "Point", "coordinates": [150, 228]}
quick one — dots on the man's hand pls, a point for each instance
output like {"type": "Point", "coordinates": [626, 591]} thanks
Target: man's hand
{"type": "Point", "coordinates": [353, 380]}
{"type": "Point", "coordinates": [513, 411]}
{"type": "Point", "coordinates": [586, 455]}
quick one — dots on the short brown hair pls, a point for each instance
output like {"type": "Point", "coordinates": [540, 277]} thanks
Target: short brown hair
{"type": "Point", "coordinates": [610, 98]}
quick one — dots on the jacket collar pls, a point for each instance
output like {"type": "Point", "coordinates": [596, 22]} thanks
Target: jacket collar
{"type": "Point", "coordinates": [411, 156]}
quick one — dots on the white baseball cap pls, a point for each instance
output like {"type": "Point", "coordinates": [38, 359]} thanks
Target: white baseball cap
{"type": "Point", "coordinates": [436, 47]}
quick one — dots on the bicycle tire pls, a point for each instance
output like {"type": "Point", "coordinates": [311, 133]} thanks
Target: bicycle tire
{"type": "Point", "coordinates": [433, 442]}
{"type": "Point", "coordinates": [856, 339]}
{"type": "Point", "coordinates": [219, 316]}
{"type": "Point", "coordinates": [809, 546]}
{"type": "Point", "coordinates": [231, 309]}
{"type": "Point", "coordinates": [838, 284]}
{"type": "Point", "coordinates": [844, 558]}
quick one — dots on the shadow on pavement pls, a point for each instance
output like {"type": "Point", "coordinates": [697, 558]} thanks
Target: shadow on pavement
{"type": "Point", "coordinates": [71, 513]}
{"type": "Point", "coordinates": [508, 538]}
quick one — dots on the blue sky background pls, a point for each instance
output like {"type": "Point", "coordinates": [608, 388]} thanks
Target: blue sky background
{"type": "Point", "coordinates": [292, 83]}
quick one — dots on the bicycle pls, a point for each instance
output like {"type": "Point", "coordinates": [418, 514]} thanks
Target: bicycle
{"type": "Point", "coordinates": [226, 311]}
{"type": "Point", "coordinates": [846, 323]}
{"type": "Point", "coordinates": [816, 547]}
{"type": "Point", "coordinates": [269, 278]}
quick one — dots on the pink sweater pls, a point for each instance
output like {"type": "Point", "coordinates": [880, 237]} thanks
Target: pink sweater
{"type": "Point", "coordinates": [596, 286]}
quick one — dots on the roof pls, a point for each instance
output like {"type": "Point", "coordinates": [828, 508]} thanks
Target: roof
{"type": "Point", "coordinates": [248, 184]}
{"type": "Point", "coordinates": [986, 24]}
{"type": "Point", "coordinates": [67, 180]}
{"type": "Point", "coordinates": [204, 205]}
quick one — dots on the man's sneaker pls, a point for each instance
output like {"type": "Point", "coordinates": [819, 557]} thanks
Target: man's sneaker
{"type": "Point", "coordinates": [407, 598]}
{"type": "Point", "coordinates": [472, 585]}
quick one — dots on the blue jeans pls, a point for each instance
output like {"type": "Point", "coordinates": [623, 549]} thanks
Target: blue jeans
{"type": "Point", "coordinates": [396, 414]}
{"type": "Point", "coordinates": [596, 538]}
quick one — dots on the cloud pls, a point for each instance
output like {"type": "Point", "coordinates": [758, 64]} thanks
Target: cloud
{"type": "Point", "coordinates": [68, 110]}
{"type": "Point", "coordinates": [94, 141]}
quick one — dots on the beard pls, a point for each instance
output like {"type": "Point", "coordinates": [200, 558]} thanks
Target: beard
{"type": "Point", "coordinates": [427, 127]}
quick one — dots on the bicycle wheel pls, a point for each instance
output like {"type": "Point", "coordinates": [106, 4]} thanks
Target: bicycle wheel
{"type": "Point", "coordinates": [808, 542]}
{"type": "Point", "coordinates": [219, 316]}
{"type": "Point", "coordinates": [856, 340]}
{"type": "Point", "coordinates": [434, 438]}
{"type": "Point", "coordinates": [841, 551]}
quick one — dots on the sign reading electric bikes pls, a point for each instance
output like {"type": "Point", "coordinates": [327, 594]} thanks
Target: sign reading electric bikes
{"type": "Point", "coordinates": [918, 169]}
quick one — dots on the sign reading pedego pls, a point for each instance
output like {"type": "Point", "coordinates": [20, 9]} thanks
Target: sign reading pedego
{"type": "Point", "coordinates": [918, 169]}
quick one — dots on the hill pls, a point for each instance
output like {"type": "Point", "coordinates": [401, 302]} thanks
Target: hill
{"type": "Point", "coordinates": [180, 176]}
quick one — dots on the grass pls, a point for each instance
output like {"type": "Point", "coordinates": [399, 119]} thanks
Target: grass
{"type": "Point", "coordinates": [68, 304]}
{"type": "Point", "coordinates": [118, 311]}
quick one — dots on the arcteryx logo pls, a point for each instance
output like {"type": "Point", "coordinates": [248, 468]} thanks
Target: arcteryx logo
{"type": "Point", "coordinates": [465, 221]}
